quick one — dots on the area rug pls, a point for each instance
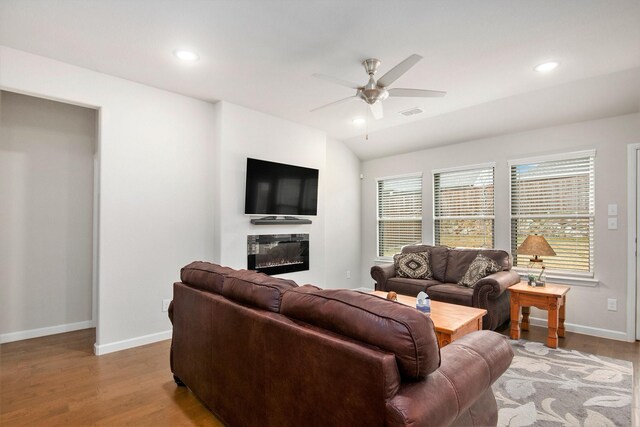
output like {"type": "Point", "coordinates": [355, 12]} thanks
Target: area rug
{"type": "Point", "coordinates": [557, 387]}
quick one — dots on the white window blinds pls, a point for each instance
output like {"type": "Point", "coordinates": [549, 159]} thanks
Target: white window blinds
{"type": "Point", "coordinates": [399, 213]}
{"type": "Point", "coordinates": [464, 207]}
{"type": "Point", "coordinates": [555, 199]}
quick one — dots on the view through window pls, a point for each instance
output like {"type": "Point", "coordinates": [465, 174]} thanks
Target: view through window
{"type": "Point", "coordinates": [464, 207]}
{"type": "Point", "coordinates": [399, 213]}
{"type": "Point", "coordinates": [555, 198]}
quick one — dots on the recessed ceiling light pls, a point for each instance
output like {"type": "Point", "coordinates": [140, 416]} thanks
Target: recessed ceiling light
{"type": "Point", "coordinates": [359, 121]}
{"type": "Point", "coordinates": [186, 55]}
{"type": "Point", "coordinates": [546, 67]}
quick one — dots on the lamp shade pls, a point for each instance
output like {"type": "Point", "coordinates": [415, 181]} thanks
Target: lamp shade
{"type": "Point", "coordinates": [535, 245]}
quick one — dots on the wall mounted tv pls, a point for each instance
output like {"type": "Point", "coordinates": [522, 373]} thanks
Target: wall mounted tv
{"type": "Point", "coordinates": [280, 189]}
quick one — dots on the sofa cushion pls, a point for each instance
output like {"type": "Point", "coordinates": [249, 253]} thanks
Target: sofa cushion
{"type": "Point", "coordinates": [413, 265]}
{"type": "Point", "coordinates": [460, 259]}
{"type": "Point", "coordinates": [411, 287]}
{"type": "Point", "coordinates": [205, 276]}
{"type": "Point", "coordinates": [451, 293]}
{"type": "Point", "coordinates": [437, 258]}
{"type": "Point", "coordinates": [256, 289]}
{"type": "Point", "coordinates": [391, 326]}
{"type": "Point", "coordinates": [480, 268]}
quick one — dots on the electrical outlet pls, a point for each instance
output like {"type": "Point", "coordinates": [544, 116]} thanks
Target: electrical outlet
{"type": "Point", "coordinates": [165, 304]}
{"type": "Point", "coordinates": [612, 304]}
{"type": "Point", "coordinates": [348, 274]}
{"type": "Point", "coordinates": [612, 223]}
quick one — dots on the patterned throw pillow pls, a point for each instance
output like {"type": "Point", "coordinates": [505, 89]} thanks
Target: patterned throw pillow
{"type": "Point", "coordinates": [480, 267]}
{"type": "Point", "coordinates": [413, 265]}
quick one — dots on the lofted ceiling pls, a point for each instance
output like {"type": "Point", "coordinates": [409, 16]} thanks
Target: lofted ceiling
{"type": "Point", "coordinates": [261, 54]}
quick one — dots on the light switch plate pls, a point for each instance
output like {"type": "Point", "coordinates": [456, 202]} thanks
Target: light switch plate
{"type": "Point", "coordinates": [612, 223]}
{"type": "Point", "coordinates": [612, 209]}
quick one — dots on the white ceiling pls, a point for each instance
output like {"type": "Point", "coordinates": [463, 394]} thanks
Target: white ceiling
{"type": "Point", "coordinates": [262, 53]}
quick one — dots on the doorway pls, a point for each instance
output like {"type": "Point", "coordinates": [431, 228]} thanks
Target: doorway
{"type": "Point", "coordinates": [48, 199]}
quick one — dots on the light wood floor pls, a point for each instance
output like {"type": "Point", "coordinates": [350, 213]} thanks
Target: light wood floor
{"type": "Point", "coordinates": [57, 381]}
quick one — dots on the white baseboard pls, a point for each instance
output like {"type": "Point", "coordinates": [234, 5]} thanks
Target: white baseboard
{"type": "Point", "coordinates": [49, 330]}
{"type": "Point", "coordinates": [131, 342]}
{"type": "Point", "coordinates": [585, 330]}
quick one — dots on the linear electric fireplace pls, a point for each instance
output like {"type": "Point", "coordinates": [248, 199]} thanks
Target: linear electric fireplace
{"type": "Point", "coordinates": [278, 253]}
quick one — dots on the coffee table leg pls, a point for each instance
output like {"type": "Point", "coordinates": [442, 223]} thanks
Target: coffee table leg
{"type": "Point", "coordinates": [525, 318]}
{"type": "Point", "coordinates": [561, 323]}
{"type": "Point", "coordinates": [515, 317]}
{"type": "Point", "coordinates": [552, 337]}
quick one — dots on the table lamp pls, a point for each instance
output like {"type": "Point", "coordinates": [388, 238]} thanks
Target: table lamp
{"type": "Point", "coordinates": [537, 246]}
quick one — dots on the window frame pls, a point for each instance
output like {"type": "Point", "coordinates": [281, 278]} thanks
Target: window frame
{"type": "Point", "coordinates": [491, 165]}
{"type": "Point", "coordinates": [559, 275]}
{"type": "Point", "coordinates": [419, 175]}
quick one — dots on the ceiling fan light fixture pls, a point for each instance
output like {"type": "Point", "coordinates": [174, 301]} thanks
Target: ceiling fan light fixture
{"type": "Point", "coordinates": [186, 55]}
{"type": "Point", "coordinates": [546, 67]}
{"type": "Point", "coordinates": [374, 92]}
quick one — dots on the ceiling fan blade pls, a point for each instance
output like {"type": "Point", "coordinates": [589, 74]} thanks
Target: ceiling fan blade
{"type": "Point", "coordinates": [340, 101]}
{"type": "Point", "coordinates": [337, 81]}
{"type": "Point", "coordinates": [416, 93]}
{"type": "Point", "coordinates": [394, 74]}
{"type": "Point", "coordinates": [376, 110]}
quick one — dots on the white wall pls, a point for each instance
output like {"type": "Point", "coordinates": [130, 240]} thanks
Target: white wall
{"type": "Point", "coordinates": [342, 217]}
{"type": "Point", "coordinates": [156, 204]}
{"type": "Point", "coordinates": [171, 182]}
{"type": "Point", "coordinates": [46, 216]}
{"type": "Point", "coordinates": [247, 133]}
{"type": "Point", "coordinates": [586, 306]}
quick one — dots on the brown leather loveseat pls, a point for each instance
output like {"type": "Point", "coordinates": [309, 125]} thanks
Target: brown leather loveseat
{"type": "Point", "coordinates": [262, 351]}
{"type": "Point", "coordinates": [448, 266]}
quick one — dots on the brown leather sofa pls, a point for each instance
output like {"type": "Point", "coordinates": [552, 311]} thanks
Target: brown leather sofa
{"type": "Point", "coordinates": [261, 351]}
{"type": "Point", "coordinates": [448, 266]}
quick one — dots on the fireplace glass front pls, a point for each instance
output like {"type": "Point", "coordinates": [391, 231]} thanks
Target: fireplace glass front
{"type": "Point", "coordinates": [278, 253]}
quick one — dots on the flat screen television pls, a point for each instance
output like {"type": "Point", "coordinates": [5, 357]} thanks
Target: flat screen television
{"type": "Point", "coordinates": [280, 189]}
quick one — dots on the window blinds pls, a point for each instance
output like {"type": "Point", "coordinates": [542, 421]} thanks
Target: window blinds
{"type": "Point", "coordinates": [556, 200]}
{"type": "Point", "coordinates": [464, 207]}
{"type": "Point", "coordinates": [399, 213]}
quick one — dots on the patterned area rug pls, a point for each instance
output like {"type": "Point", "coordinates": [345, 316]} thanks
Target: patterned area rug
{"type": "Point", "coordinates": [557, 387]}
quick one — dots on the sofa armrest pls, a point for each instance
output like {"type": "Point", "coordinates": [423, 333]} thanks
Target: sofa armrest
{"type": "Point", "coordinates": [469, 366]}
{"type": "Point", "coordinates": [380, 273]}
{"type": "Point", "coordinates": [495, 284]}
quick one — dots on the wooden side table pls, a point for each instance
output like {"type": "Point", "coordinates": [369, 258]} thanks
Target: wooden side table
{"type": "Point", "coordinates": [549, 297]}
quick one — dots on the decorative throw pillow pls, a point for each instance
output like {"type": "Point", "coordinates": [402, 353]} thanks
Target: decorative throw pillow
{"type": "Point", "coordinates": [480, 267]}
{"type": "Point", "coordinates": [414, 265]}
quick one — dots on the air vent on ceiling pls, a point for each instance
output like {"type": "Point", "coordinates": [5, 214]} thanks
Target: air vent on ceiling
{"type": "Point", "coordinates": [412, 111]}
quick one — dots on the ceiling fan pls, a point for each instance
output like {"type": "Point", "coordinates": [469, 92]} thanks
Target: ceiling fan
{"type": "Point", "coordinates": [374, 92]}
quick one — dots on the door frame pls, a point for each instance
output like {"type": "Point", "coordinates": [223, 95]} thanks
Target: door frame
{"type": "Point", "coordinates": [632, 245]}
{"type": "Point", "coordinates": [95, 261]}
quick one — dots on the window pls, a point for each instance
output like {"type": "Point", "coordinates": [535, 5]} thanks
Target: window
{"type": "Point", "coordinates": [554, 197]}
{"type": "Point", "coordinates": [399, 213]}
{"type": "Point", "coordinates": [463, 207]}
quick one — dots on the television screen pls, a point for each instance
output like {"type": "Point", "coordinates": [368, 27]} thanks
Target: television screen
{"type": "Point", "coordinates": [280, 189]}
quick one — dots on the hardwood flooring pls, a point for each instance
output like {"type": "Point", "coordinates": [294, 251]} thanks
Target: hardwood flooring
{"type": "Point", "coordinates": [57, 381]}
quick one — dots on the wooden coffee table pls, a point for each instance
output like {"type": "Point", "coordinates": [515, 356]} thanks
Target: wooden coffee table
{"type": "Point", "coordinates": [549, 297]}
{"type": "Point", "coordinates": [452, 321]}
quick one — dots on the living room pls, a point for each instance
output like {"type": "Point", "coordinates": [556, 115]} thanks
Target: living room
{"type": "Point", "coordinates": [172, 140]}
